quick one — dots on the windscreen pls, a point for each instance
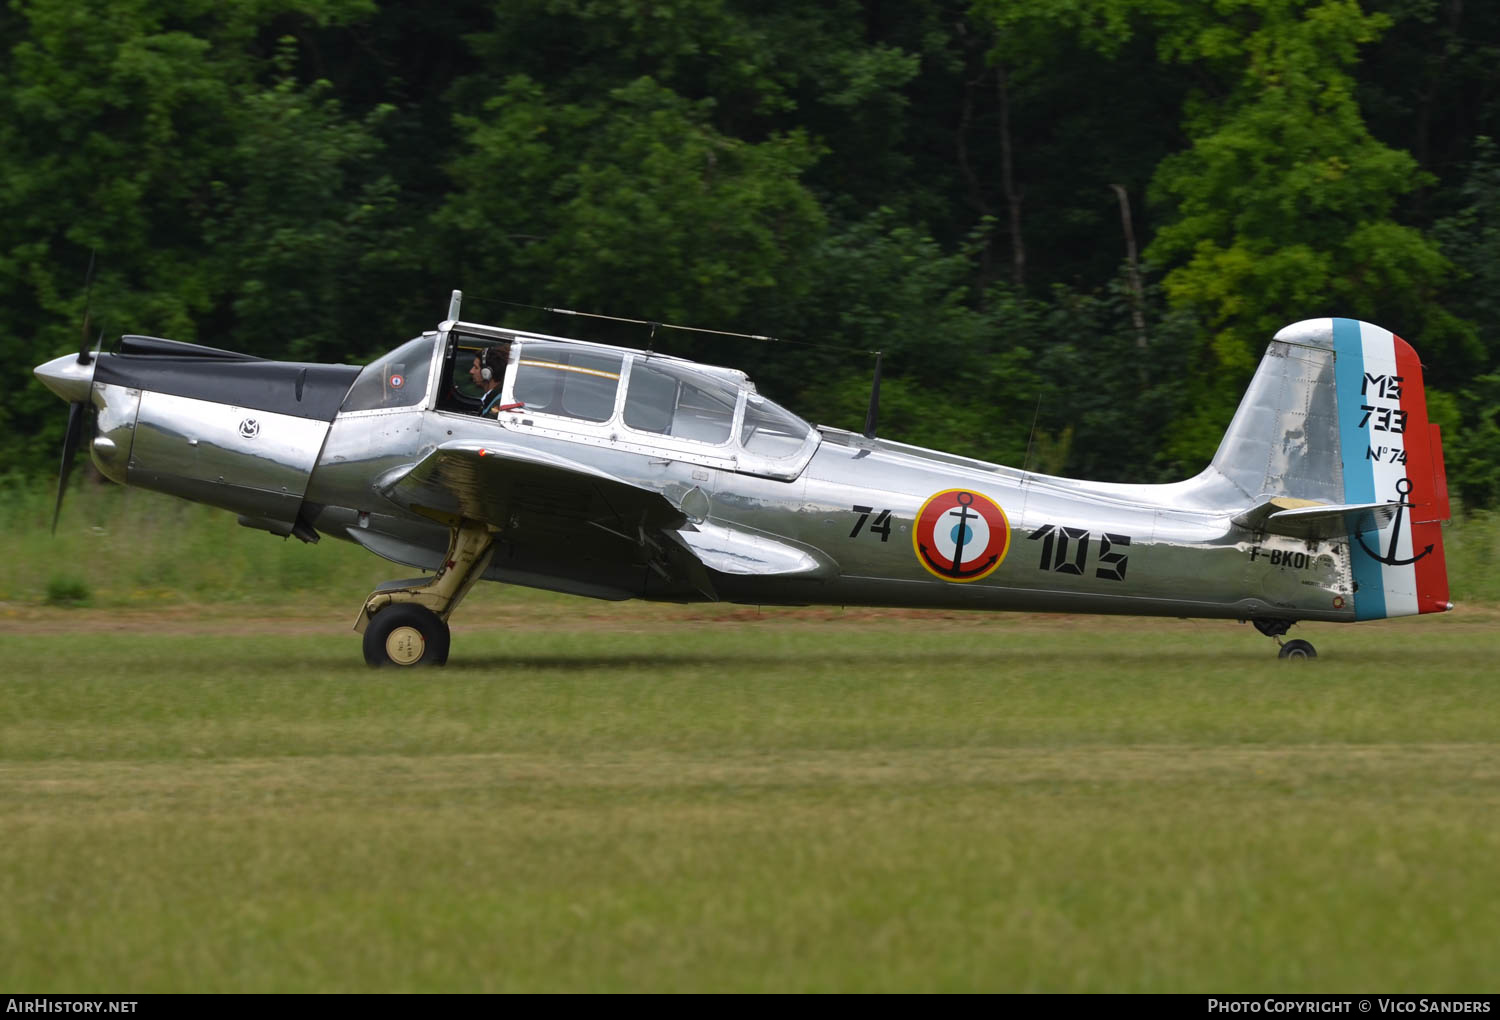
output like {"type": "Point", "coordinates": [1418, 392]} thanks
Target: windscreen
{"type": "Point", "coordinates": [771, 430]}
{"type": "Point", "coordinates": [397, 380]}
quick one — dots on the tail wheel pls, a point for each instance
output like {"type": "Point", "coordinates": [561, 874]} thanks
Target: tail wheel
{"type": "Point", "coordinates": [406, 634]}
{"type": "Point", "coordinates": [1297, 650]}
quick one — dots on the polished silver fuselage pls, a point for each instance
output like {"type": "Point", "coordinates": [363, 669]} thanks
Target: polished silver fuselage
{"type": "Point", "coordinates": [1184, 557]}
{"type": "Point", "coordinates": [835, 522]}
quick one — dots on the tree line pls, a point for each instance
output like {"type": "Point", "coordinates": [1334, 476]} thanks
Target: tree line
{"type": "Point", "coordinates": [1069, 225]}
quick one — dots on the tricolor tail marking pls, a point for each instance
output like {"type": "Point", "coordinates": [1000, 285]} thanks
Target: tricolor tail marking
{"type": "Point", "coordinates": [1388, 455]}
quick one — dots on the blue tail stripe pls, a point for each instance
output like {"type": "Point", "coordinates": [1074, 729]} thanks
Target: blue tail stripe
{"type": "Point", "coordinates": [1359, 474]}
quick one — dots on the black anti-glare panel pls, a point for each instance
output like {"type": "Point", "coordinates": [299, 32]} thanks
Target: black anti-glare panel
{"type": "Point", "coordinates": [282, 387]}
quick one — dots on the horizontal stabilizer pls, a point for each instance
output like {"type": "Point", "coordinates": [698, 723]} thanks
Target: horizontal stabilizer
{"type": "Point", "coordinates": [1300, 518]}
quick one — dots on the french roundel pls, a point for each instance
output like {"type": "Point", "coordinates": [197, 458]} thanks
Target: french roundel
{"type": "Point", "coordinates": [961, 535]}
{"type": "Point", "coordinates": [397, 381]}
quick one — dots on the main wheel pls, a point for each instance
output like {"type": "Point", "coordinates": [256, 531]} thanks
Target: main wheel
{"type": "Point", "coordinates": [406, 634]}
{"type": "Point", "coordinates": [1297, 650]}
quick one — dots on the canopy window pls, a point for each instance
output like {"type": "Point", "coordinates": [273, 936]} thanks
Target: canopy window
{"type": "Point", "coordinates": [678, 401]}
{"type": "Point", "coordinates": [564, 379]}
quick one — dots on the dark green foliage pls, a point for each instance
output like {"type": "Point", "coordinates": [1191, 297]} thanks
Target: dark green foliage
{"type": "Point", "coordinates": [308, 178]}
{"type": "Point", "coordinates": [68, 590]}
{"type": "Point", "coordinates": [1474, 449]}
{"type": "Point", "coordinates": [634, 197]}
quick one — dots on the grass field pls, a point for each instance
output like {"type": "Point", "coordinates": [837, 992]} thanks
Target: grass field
{"type": "Point", "coordinates": [603, 797]}
{"type": "Point", "coordinates": [742, 801]}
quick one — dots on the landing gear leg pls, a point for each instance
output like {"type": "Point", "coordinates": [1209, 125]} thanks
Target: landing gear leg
{"type": "Point", "coordinates": [405, 623]}
{"type": "Point", "coordinates": [1295, 650]}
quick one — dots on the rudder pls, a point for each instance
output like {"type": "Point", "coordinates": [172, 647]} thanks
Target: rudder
{"type": "Point", "coordinates": [1390, 452]}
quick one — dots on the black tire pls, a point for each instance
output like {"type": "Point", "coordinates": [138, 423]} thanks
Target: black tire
{"type": "Point", "coordinates": [1297, 651]}
{"type": "Point", "coordinates": [406, 635]}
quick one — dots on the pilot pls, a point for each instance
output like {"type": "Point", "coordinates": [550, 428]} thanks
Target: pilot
{"type": "Point", "coordinates": [487, 372]}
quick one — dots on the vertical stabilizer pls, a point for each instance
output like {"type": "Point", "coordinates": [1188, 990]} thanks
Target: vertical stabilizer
{"type": "Point", "coordinates": [1284, 439]}
{"type": "Point", "coordinates": [1336, 416]}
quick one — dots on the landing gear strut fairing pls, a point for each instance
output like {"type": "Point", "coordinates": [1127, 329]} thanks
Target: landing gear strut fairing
{"type": "Point", "coordinates": [618, 473]}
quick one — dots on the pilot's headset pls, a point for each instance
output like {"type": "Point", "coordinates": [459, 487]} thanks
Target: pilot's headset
{"type": "Point", "coordinates": [488, 361]}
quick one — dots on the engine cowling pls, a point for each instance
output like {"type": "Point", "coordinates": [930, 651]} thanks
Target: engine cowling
{"type": "Point", "coordinates": [215, 427]}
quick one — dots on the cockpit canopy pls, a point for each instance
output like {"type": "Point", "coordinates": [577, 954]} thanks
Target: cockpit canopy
{"type": "Point", "coordinates": [633, 400]}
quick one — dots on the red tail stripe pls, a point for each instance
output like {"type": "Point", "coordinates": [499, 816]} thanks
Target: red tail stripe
{"type": "Point", "coordinates": [1441, 510]}
{"type": "Point", "coordinates": [1431, 570]}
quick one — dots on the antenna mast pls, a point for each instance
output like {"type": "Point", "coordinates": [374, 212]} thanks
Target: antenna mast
{"type": "Point", "coordinates": [873, 413]}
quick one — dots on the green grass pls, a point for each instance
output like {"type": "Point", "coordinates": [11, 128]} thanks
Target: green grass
{"type": "Point", "coordinates": [132, 547]}
{"type": "Point", "coordinates": [738, 801]}
{"type": "Point", "coordinates": [1471, 545]}
{"type": "Point", "coordinates": [202, 788]}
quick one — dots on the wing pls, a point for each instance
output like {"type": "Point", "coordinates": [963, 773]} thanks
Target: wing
{"type": "Point", "coordinates": [559, 520]}
{"type": "Point", "coordinates": [560, 515]}
{"type": "Point", "coordinates": [500, 485]}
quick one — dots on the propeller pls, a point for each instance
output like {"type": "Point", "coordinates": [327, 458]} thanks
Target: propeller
{"type": "Point", "coordinates": [79, 411]}
{"type": "Point", "coordinates": [77, 420]}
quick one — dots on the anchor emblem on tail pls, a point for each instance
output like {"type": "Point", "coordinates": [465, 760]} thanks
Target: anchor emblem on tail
{"type": "Point", "coordinates": [1403, 488]}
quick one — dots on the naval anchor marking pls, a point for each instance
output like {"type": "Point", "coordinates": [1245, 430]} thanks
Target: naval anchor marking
{"type": "Point", "coordinates": [1403, 489]}
{"type": "Point", "coordinates": [960, 535]}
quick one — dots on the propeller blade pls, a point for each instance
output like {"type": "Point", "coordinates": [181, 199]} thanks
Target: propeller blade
{"type": "Point", "coordinates": [77, 413]}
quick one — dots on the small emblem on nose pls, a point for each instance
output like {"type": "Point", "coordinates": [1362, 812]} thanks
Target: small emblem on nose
{"type": "Point", "coordinates": [249, 428]}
